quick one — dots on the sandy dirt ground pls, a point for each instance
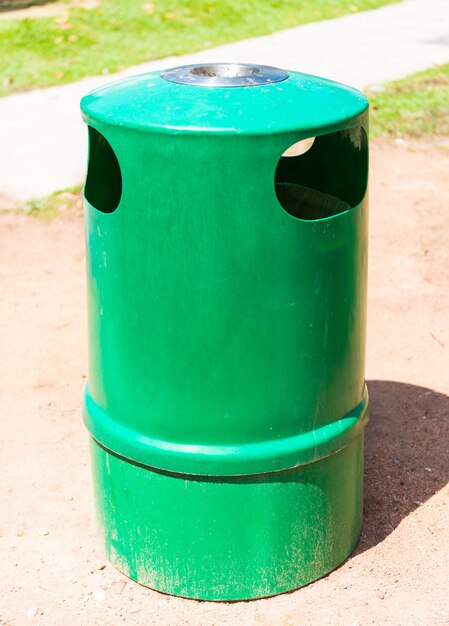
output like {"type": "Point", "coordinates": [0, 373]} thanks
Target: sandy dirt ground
{"type": "Point", "coordinates": [52, 570]}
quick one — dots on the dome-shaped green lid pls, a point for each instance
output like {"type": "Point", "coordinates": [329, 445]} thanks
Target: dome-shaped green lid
{"type": "Point", "coordinates": [225, 98]}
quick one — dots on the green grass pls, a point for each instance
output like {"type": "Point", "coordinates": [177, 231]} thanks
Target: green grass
{"type": "Point", "coordinates": [119, 33]}
{"type": "Point", "coordinates": [49, 207]}
{"type": "Point", "coordinates": [14, 5]}
{"type": "Point", "coordinates": [413, 106]}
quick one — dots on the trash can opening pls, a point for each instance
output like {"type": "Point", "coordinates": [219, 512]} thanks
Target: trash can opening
{"type": "Point", "coordinates": [103, 188]}
{"type": "Point", "coordinates": [300, 147]}
{"type": "Point", "coordinates": [320, 177]}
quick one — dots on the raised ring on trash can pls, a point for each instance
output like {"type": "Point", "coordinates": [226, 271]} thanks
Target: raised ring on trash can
{"type": "Point", "coordinates": [225, 75]}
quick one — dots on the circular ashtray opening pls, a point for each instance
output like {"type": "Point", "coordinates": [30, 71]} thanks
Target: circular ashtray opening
{"type": "Point", "coordinates": [225, 75]}
{"type": "Point", "coordinates": [222, 70]}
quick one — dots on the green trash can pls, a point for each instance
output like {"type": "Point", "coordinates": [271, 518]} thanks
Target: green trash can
{"type": "Point", "coordinates": [226, 227]}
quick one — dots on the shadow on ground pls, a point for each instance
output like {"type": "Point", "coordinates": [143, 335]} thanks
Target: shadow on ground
{"type": "Point", "coordinates": [406, 458]}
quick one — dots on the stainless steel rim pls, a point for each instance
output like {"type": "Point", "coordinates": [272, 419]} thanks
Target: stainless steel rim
{"type": "Point", "coordinates": [224, 75]}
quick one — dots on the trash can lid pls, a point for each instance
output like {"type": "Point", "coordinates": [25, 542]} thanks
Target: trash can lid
{"type": "Point", "coordinates": [224, 98]}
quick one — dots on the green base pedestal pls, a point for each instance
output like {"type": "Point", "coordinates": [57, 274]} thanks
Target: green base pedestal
{"type": "Point", "coordinates": [229, 538]}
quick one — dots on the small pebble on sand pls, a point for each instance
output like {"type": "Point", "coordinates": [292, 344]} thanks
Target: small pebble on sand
{"type": "Point", "coordinates": [32, 612]}
{"type": "Point", "coordinates": [99, 595]}
{"type": "Point", "coordinates": [118, 586]}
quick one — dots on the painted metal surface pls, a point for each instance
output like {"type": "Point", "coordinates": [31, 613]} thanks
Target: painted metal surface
{"type": "Point", "coordinates": [302, 104]}
{"type": "Point", "coordinates": [229, 538]}
{"type": "Point", "coordinates": [226, 395]}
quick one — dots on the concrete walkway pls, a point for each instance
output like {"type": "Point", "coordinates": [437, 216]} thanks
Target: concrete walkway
{"type": "Point", "coordinates": [43, 141]}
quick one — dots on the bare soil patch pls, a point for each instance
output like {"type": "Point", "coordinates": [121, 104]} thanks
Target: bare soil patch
{"type": "Point", "coordinates": [53, 572]}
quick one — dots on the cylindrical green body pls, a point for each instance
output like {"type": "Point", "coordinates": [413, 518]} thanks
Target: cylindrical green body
{"type": "Point", "coordinates": [226, 397]}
